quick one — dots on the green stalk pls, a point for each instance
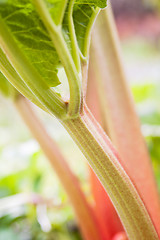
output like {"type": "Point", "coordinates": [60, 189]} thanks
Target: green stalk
{"type": "Point", "coordinates": [104, 160]}
{"type": "Point", "coordinates": [75, 48]}
{"type": "Point", "coordinates": [89, 225]}
{"type": "Point", "coordinates": [61, 16]}
{"type": "Point", "coordinates": [29, 75]}
{"type": "Point", "coordinates": [118, 112]}
{"type": "Point", "coordinates": [74, 77]}
{"type": "Point", "coordinates": [88, 35]}
{"type": "Point", "coordinates": [9, 72]}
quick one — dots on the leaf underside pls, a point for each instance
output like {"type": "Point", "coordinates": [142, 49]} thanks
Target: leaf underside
{"type": "Point", "coordinates": [32, 37]}
{"type": "Point", "coordinates": [5, 87]}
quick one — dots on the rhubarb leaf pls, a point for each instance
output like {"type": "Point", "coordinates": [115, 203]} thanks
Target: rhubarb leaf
{"type": "Point", "coordinates": [97, 3]}
{"type": "Point", "coordinates": [32, 37]}
{"type": "Point", "coordinates": [83, 16]}
{"type": "Point", "coordinates": [5, 87]}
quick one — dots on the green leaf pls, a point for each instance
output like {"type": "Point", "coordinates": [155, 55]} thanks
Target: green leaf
{"type": "Point", "coordinates": [83, 16]}
{"type": "Point", "coordinates": [97, 3]}
{"type": "Point", "coordinates": [5, 87]}
{"type": "Point", "coordinates": [32, 37]}
{"type": "Point", "coordinates": [56, 9]}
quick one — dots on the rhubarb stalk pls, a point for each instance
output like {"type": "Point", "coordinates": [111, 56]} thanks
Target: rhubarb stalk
{"type": "Point", "coordinates": [105, 162]}
{"type": "Point", "coordinates": [103, 204]}
{"type": "Point", "coordinates": [119, 116]}
{"type": "Point", "coordinates": [87, 220]}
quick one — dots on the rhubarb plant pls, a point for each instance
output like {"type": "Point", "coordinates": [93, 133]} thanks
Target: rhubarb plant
{"type": "Point", "coordinates": [38, 40]}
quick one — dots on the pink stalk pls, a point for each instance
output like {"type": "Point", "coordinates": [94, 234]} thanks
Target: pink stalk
{"type": "Point", "coordinates": [120, 236]}
{"type": "Point", "coordinates": [89, 225]}
{"type": "Point", "coordinates": [119, 113]}
{"type": "Point", "coordinates": [103, 205]}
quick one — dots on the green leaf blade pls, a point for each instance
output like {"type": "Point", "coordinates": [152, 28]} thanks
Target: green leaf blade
{"type": "Point", "coordinates": [96, 3]}
{"type": "Point", "coordinates": [32, 37]}
{"type": "Point", "coordinates": [6, 88]}
{"type": "Point", "coordinates": [83, 17]}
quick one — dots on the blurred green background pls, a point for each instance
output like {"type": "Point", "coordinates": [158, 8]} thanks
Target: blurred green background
{"type": "Point", "coordinates": [33, 205]}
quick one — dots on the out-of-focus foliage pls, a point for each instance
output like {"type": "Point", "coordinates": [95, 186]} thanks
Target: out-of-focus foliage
{"type": "Point", "coordinates": [136, 8]}
{"type": "Point", "coordinates": [33, 219]}
{"type": "Point", "coordinates": [24, 170]}
{"type": "Point", "coordinates": [152, 3]}
{"type": "Point", "coordinates": [142, 64]}
{"type": "Point", "coordinates": [148, 107]}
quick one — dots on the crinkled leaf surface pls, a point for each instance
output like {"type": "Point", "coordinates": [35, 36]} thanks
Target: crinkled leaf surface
{"type": "Point", "coordinates": [82, 16]}
{"type": "Point", "coordinates": [32, 37]}
{"type": "Point", "coordinates": [24, 23]}
{"type": "Point", "coordinates": [97, 3]}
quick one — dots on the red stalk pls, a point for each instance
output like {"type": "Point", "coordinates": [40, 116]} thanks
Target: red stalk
{"type": "Point", "coordinates": [119, 113]}
{"type": "Point", "coordinates": [120, 236]}
{"type": "Point", "coordinates": [103, 205]}
{"type": "Point", "coordinates": [88, 222]}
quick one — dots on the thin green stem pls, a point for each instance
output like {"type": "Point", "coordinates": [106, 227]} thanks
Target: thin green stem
{"type": "Point", "coordinates": [63, 8]}
{"type": "Point", "coordinates": [88, 34]}
{"type": "Point", "coordinates": [75, 48]}
{"type": "Point", "coordinates": [84, 68]}
{"type": "Point", "coordinates": [86, 217]}
{"type": "Point", "coordinates": [74, 77]}
{"type": "Point", "coordinates": [84, 57]}
{"type": "Point", "coordinates": [105, 162]}
{"type": "Point", "coordinates": [29, 75]}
